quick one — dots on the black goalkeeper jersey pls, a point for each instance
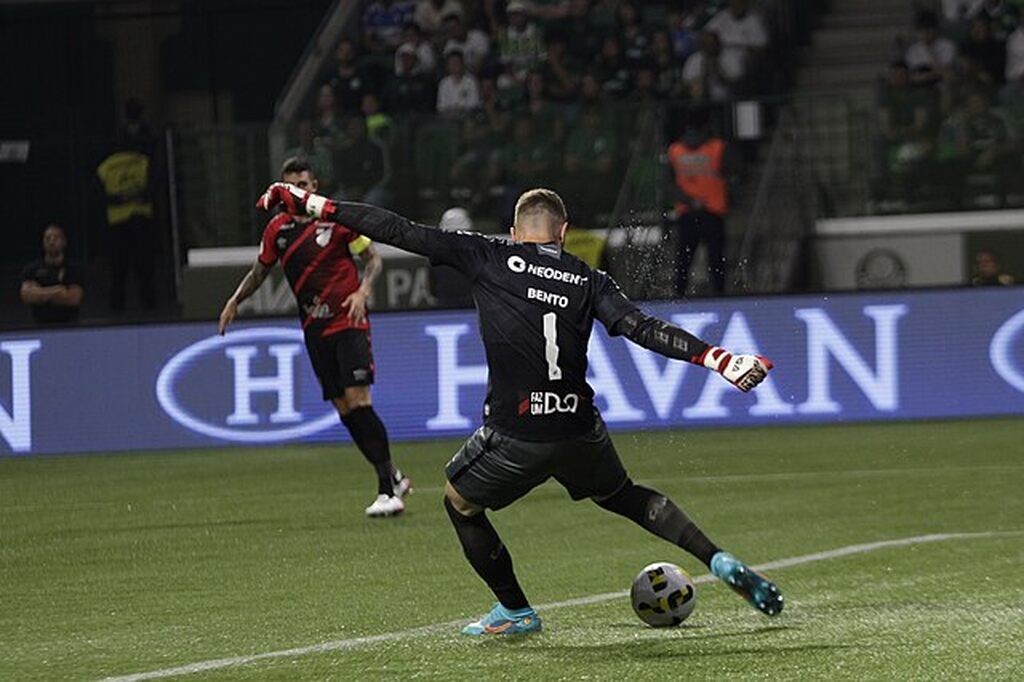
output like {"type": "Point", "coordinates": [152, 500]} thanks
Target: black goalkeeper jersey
{"type": "Point", "coordinates": [537, 305]}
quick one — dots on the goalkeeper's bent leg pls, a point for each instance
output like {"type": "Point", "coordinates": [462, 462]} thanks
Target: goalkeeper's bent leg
{"type": "Point", "coordinates": [661, 516]}
{"type": "Point", "coordinates": [488, 556]}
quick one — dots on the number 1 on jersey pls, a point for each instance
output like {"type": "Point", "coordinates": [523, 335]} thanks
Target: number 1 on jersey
{"type": "Point", "coordinates": [551, 346]}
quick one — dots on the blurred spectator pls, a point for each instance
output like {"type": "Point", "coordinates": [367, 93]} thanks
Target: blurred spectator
{"type": "Point", "coordinates": [958, 11]}
{"type": "Point", "coordinates": [701, 164]}
{"type": "Point", "coordinates": [429, 14]}
{"type": "Point", "coordinates": [988, 272]}
{"type": "Point", "coordinates": [668, 69]}
{"type": "Point", "coordinates": [683, 23]}
{"type": "Point", "coordinates": [327, 125]}
{"type": "Point", "coordinates": [410, 90]}
{"type": "Point", "coordinates": [612, 69]}
{"type": "Point", "coordinates": [591, 94]}
{"type": "Point", "coordinates": [645, 83]}
{"type": "Point", "coordinates": [591, 165]}
{"type": "Point", "coordinates": [743, 37]}
{"type": "Point", "coordinates": [560, 71]}
{"type": "Point", "coordinates": [1015, 65]}
{"type": "Point", "coordinates": [477, 167]}
{"type": "Point", "coordinates": [931, 57]}
{"type": "Point", "coordinates": [448, 286]}
{"type": "Point", "coordinates": [704, 74]}
{"type": "Point", "coordinates": [317, 151]}
{"type": "Point", "coordinates": [547, 119]}
{"type": "Point", "coordinates": [519, 43]}
{"type": "Point", "coordinates": [382, 23]}
{"type": "Point", "coordinates": [473, 44]}
{"type": "Point", "coordinates": [636, 44]}
{"type": "Point", "coordinates": [52, 285]}
{"type": "Point", "coordinates": [1001, 14]}
{"type": "Point", "coordinates": [426, 61]}
{"type": "Point", "coordinates": [985, 50]}
{"type": "Point", "coordinates": [529, 159]}
{"type": "Point", "coordinates": [378, 124]}
{"type": "Point", "coordinates": [905, 115]}
{"type": "Point", "coordinates": [350, 81]}
{"type": "Point", "coordinates": [974, 141]}
{"type": "Point", "coordinates": [457, 92]}
{"type": "Point", "coordinates": [361, 166]}
{"type": "Point", "coordinates": [126, 177]}
{"type": "Point", "coordinates": [582, 36]}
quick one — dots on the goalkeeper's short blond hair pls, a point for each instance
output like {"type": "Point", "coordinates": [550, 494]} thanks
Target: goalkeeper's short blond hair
{"type": "Point", "coordinates": [541, 202]}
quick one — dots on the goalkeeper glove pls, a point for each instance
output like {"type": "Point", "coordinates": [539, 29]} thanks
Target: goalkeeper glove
{"type": "Point", "coordinates": [295, 201]}
{"type": "Point", "coordinates": [742, 371]}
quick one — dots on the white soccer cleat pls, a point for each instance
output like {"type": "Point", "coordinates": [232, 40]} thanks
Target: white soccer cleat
{"type": "Point", "coordinates": [403, 485]}
{"type": "Point", "coordinates": [385, 506]}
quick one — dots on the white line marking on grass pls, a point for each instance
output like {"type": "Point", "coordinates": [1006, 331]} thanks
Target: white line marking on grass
{"type": "Point", "coordinates": [345, 644]}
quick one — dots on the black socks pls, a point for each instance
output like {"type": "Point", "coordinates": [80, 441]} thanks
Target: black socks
{"type": "Point", "coordinates": [661, 516]}
{"type": "Point", "coordinates": [371, 438]}
{"type": "Point", "coordinates": [488, 556]}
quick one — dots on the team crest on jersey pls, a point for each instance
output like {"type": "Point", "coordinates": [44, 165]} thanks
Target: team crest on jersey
{"type": "Point", "coordinates": [323, 236]}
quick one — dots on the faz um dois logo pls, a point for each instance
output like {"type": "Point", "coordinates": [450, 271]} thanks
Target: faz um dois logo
{"type": "Point", "coordinates": [539, 403]}
{"type": "Point", "coordinates": [242, 358]}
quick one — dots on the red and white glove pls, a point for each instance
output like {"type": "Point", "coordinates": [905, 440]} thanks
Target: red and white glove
{"type": "Point", "coordinates": [742, 371]}
{"type": "Point", "coordinates": [295, 201]}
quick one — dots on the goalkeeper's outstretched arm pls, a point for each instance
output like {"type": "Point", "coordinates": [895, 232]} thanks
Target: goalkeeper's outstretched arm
{"type": "Point", "coordinates": [380, 225]}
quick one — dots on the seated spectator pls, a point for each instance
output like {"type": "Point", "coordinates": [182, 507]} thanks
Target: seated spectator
{"type": "Point", "coordinates": [743, 37]}
{"type": "Point", "coordinates": [591, 164]}
{"type": "Point", "coordinates": [560, 71]}
{"type": "Point", "coordinates": [705, 77]}
{"type": "Point", "coordinates": [317, 151]}
{"type": "Point", "coordinates": [905, 120]}
{"type": "Point", "coordinates": [410, 90]}
{"type": "Point", "coordinates": [985, 50]}
{"type": "Point", "coordinates": [519, 43]}
{"type": "Point", "coordinates": [378, 124]}
{"type": "Point", "coordinates": [645, 84]}
{"type": "Point", "coordinates": [350, 80]}
{"type": "Point", "coordinates": [528, 158]}
{"type": "Point", "coordinates": [429, 14]}
{"type": "Point", "coordinates": [668, 69]}
{"type": "Point", "coordinates": [988, 272]}
{"type": "Point", "coordinates": [636, 44]}
{"type": "Point", "coordinates": [548, 121]}
{"type": "Point", "coordinates": [426, 61]}
{"type": "Point", "coordinates": [974, 141]}
{"type": "Point", "coordinates": [1002, 16]}
{"type": "Point", "coordinates": [52, 285]}
{"type": "Point", "coordinates": [931, 57]}
{"type": "Point", "coordinates": [474, 45]}
{"type": "Point", "coordinates": [457, 93]}
{"type": "Point", "coordinates": [591, 93]}
{"type": "Point", "coordinates": [382, 24]}
{"type": "Point", "coordinates": [327, 126]}
{"type": "Point", "coordinates": [362, 166]}
{"type": "Point", "coordinates": [613, 69]}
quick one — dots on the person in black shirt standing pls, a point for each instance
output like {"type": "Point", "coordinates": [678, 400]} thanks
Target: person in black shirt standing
{"type": "Point", "coordinates": [52, 286]}
{"type": "Point", "coordinates": [537, 305]}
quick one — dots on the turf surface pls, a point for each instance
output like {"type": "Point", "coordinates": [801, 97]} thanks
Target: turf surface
{"type": "Point", "coordinates": [112, 565]}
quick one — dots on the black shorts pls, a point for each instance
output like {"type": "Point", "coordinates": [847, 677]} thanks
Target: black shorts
{"type": "Point", "coordinates": [493, 470]}
{"type": "Point", "coordinates": [341, 360]}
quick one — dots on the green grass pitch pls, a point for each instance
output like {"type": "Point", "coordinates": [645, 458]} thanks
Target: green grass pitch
{"type": "Point", "coordinates": [115, 565]}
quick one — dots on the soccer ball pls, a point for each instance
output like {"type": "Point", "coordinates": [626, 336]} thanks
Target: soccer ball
{"type": "Point", "coordinates": [663, 595]}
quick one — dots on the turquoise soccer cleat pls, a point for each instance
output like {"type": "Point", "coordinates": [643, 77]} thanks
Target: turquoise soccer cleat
{"type": "Point", "coordinates": [759, 592]}
{"type": "Point", "coordinates": [502, 621]}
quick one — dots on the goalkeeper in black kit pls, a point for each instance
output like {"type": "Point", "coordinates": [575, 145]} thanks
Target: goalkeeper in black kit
{"type": "Point", "coordinates": [537, 305]}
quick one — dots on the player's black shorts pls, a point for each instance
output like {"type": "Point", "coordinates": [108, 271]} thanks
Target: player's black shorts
{"type": "Point", "coordinates": [341, 360]}
{"type": "Point", "coordinates": [494, 470]}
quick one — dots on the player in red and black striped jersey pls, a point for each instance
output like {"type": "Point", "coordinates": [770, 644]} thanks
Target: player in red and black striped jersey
{"type": "Point", "coordinates": [318, 258]}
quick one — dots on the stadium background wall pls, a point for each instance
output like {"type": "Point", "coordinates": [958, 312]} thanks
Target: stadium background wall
{"type": "Point", "coordinates": [852, 357]}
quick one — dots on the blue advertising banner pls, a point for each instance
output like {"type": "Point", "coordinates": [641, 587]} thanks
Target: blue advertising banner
{"type": "Point", "coordinates": [908, 355]}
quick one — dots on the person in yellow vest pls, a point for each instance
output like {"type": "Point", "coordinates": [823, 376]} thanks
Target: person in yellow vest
{"type": "Point", "coordinates": [701, 163]}
{"type": "Point", "coordinates": [126, 179]}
